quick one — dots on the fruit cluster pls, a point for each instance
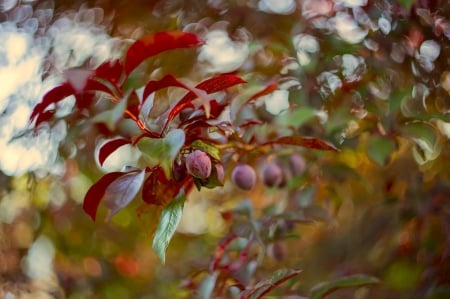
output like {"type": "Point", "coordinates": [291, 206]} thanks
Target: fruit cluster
{"type": "Point", "coordinates": [210, 173]}
{"type": "Point", "coordinates": [274, 173]}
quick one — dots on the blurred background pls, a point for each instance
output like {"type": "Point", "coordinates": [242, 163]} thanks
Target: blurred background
{"type": "Point", "coordinates": [372, 77]}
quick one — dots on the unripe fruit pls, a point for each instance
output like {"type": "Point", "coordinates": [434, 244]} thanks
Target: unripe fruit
{"type": "Point", "coordinates": [198, 164]}
{"type": "Point", "coordinates": [272, 175]}
{"type": "Point", "coordinates": [244, 176]}
{"type": "Point", "coordinates": [297, 164]}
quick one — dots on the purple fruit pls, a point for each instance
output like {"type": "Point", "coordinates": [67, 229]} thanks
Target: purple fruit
{"type": "Point", "coordinates": [244, 176]}
{"type": "Point", "coordinates": [220, 173]}
{"type": "Point", "coordinates": [198, 164]}
{"type": "Point", "coordinates": [297, 164]}
{"type": "Point", "coordinates": [272, 175]}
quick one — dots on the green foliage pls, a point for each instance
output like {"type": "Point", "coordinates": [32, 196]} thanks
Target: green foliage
{"type": "Point", "coordinates": [321, 290]}
{"type": "Point", "coordinates": [168, 222]}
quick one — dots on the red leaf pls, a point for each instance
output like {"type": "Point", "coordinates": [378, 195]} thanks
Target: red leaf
{"type": "Point", "coordinates": [110, 70]}
{"type": "Point", "coordinates": [210, 85]}
{"type": "Point", "coordinates": [166, 81]}
{"type": "Point", "coordinates": [262, 288]}
{"type": "Point", "coordinates": [220, 251]}
{"type": "Point", "coordinates": [271, 87]}
{"type": "Point", "coordinates": [97, 191]}
{"type": "Point", "coordinates": [109, 147]}
{"type": "Point", "coordinates": [45, 116]}
{"type": "Point", "coordinates": [308, 142]}
{"type": "Point", "coordinates": [154, 44]}
{"type": "Point", "coordinates": [133, 105]}
{"type": "Point", "coordinates": [158, 189]}
{"type": "Point", "coordinates": [53, 96]}
{"type": "Point", "coordinates": [94, 85]}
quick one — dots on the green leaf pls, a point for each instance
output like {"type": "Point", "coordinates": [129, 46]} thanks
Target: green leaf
{"type": "Point", "coordinates": [168, 222]}
{"type": "Point", "coordinates": [163, 150]}
{"type": "Point", "coordinates": [297, 117]}
{"type": "Point", "coordinates": [320, 290]}
{"type": "Point", "coordinates": [379, 149]}
{"type": "Point", "coordinates": [406, 3]}
{"type": "Point", "coordinates": [207, 148]}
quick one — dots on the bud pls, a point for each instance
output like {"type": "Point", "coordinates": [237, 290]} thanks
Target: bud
{"type": "Point", "coordinates": [198, 164]}
{"type": "Point", "coordinates": [244, 176]}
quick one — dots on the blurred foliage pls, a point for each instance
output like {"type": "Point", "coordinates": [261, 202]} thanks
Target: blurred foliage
{"type": "Point", "coordinates": [380, 206]}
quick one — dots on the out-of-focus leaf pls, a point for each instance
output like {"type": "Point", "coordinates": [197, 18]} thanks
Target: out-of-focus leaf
{"type": "Point", "coordinates": [427, 141]}
{"type": "Point", "coordinates": [406, 4]}
{"type": "Point", "coordinates": [122, 190]}
{"type": "Point", "coordinates": [320, 290]}
{"type": "Point", "coordinates": [207, 285]}
{"type": "Point", "coordinates": [109, 147]}
{"type": "Point", "coordinates": [265, 286]}
{"type": "Point", "coordinates": [111, 117]}
{"type": "Point", "coordinates": [267, 90]}
{"type": "Point", "coordinates": [53, 96]}
{"type": "Point", "coordinates": [77, 78]}
{"type": "Point", "coordinates": [379, 149]}
{"type": "Point", "coordinates": [163, 150]}
{"type": "Point", "coordinates": [308, 142]}
{"type": "Point", "coordinates": [220, 250]}
{"type": "Point", "coordinates": [210, 85]}
{"type": "Point", "coordinates": [207, 148]}
{"type": "Point", "coordinates": [168, 222]}
{"type": "Point", "coordinates": [96, 192]}
{"type": "Point", "coordinates": [154, 44]}
{"type": "Point", "coordinates": [297, 117]}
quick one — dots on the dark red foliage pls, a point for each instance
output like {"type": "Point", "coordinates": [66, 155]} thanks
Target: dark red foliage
{"type": "Point", "coordinates": [53, 96]}
{"type": "Point", "coordinates": [110, 70]}
{"type": "Point", "coordinates": [211, 85]}
{"type": "Point", "coordinates": [109, 147]}
{"type": "Point", "coordinates": [154, 44]}
{"type": "Point", "coordinates": [97, 191]}
{"type": "Point", "coordinates": [158, 189]}
{"type": "Point", "coordinates": [308, 142]}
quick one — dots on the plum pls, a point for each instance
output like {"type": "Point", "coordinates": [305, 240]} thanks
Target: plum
{"type": "Point", "coordinates": [272, 175]}
{"type": "Point", "coordinates": [198, 164]}
{"type": "Point", "coordinates": [297, 164]}
{"type": "Point", "coordinates": [244, 176]}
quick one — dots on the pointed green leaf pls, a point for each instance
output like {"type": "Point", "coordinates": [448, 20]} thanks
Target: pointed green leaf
{"type": "Point", "coordinates": [207, 148]}
{"type": "Point", "coordinates": [320, 290]}
{"type": "Point", "coordinates": [168, 222]}
{"type": "Point", "coordinates": [163, 150]}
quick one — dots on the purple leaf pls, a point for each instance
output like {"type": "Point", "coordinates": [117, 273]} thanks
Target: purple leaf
{"type": "Point", "coordinates": [122, 190]}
